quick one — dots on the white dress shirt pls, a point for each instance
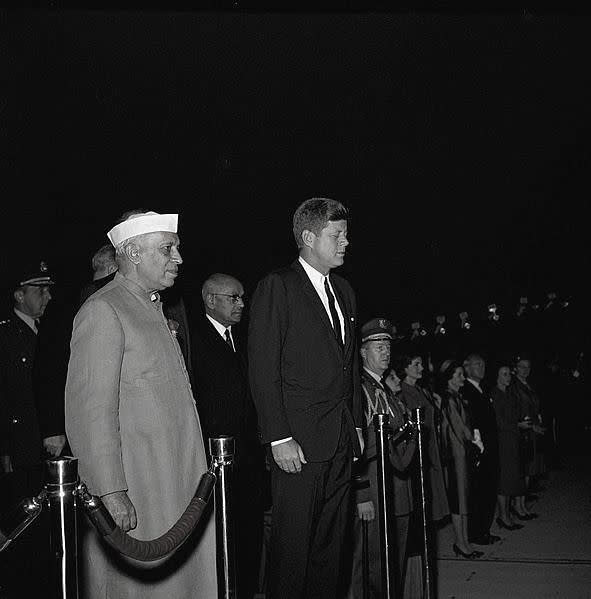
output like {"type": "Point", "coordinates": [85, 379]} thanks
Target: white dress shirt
{"type": "Point", "coordinates": [317, 280]}
{"type": "Point", "coordinates": [221, 329]}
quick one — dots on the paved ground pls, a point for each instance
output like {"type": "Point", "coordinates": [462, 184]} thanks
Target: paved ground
{"type": "Point", "coordinates": [549, 558]}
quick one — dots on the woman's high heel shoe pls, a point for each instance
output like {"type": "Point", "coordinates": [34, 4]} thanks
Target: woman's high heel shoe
{"type": "Point", "coordinates": [502, 524]}
{"type": "Point", "coordinates": [472, 555]}
{"type": "Point", "coordinates": [530, 516]}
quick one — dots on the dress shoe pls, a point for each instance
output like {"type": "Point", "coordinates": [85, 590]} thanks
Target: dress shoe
{"type": "Point", "coordinates": [506, 526]}
{"type": "Point", "coordinates": [471, 555]}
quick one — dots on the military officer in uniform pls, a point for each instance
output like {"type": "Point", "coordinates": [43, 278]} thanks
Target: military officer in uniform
{"type": "Point", "coordinates": [380, 398]}
{"type": "Point", "coordinates": [20, 440]}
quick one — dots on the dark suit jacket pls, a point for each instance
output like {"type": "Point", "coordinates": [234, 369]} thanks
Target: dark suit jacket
{"type": "Point", "coordinates": [302, 381]}
{"type": "Point", "coordinates": [222, 393]}
{"type": "Point", "coordinates": [483, 417]}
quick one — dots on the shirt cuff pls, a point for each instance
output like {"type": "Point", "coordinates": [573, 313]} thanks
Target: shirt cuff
{"type": "Point", "coordinates": [273, 443]}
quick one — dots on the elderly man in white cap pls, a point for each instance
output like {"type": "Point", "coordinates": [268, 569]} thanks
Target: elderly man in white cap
{"type": "Point", "coordinates": [131, 419]}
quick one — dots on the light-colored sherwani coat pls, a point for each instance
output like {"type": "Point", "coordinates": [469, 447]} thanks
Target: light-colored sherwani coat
{"type": "Point", "coordinates": [132, 424]}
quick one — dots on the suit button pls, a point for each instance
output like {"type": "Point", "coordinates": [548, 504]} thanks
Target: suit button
{"type": "Point", "coordinates": [23, 359]}
{"type": "Point", "coordinates": [15, 421]}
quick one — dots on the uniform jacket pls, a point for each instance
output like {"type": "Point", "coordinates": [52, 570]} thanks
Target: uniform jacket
{"type": "Point", "coordinates": [302, 381]}
{"type": "Point", "coordinates": [132, 424]}
{"type": "Point", "coordinates": [379, 400]}
{"type": "Point", "coordinates": [19, 427]}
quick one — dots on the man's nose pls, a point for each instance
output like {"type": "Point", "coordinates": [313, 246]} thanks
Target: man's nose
{"type": "Point", "coordinates": [176, 256]}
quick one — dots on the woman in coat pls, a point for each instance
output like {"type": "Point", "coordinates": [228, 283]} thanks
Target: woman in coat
{"type": "Point", "coordinates": [530, 414]}
{"type": "Point", "coordinates": [457, 437]}
{"type": "Point", "coordinates": [511, 483]}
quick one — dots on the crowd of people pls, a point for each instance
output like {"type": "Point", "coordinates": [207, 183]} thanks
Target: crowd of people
{"type": "Point", "coordinates": [137, 377]}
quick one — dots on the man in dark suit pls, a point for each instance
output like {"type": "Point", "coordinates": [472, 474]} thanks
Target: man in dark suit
{"type": "Point", "coordinates": [483, 492]}
{"type": "Point", "coordinates": [305, 381]}
{"type": "Point", "coordinates": [104, 268]}
{"type": "Point", "coordinates": [225, 407]}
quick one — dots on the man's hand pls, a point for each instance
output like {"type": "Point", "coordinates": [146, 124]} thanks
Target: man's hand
{"type": "Point", "coordinates": [479, 444]}
{"type": "Point", "coordinates": [122, 510]}
{"type": "Point", "coordinates": [289, 456]}
{"type": "Point", "coordinates": [54, 445]}
{"type": "Point", "coordinates": [366, 511]}
{"type": "Point", "coordinates": [5, 464]}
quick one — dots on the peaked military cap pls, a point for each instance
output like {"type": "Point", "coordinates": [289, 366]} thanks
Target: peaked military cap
{"type": "Point", "coordinates": [38, 276]}
{"type": "Point", "coordinates": [377, 329]}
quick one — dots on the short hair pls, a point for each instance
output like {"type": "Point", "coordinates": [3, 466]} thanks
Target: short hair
{"type": "Point", "coordinates": [471, 357]}
{"type": "Point", "coordinates": [401, 362]}
{"type": "Point", "coordinates": [215, 280]}
{"type": "Point", "coordinates": [314, 214]}
{"type": "Point", "coordinates": [446, 371]}
{"type": "Point", "coordinates": [103, 257]}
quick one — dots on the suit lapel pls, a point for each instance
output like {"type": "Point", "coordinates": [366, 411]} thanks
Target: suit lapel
{"type": "Point", "coordinates": [317, 302]}
{"type": "Point", "coordinates": [216, 338]}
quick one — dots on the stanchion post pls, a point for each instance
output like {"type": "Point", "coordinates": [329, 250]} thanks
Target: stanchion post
{"type": "Point", "coordinates": [426, 561]}
{"type": "Point", "coordinates": [222, 454]}
{"type": "Point", "coordinates": [385, 502]}
{"type": "Point", "coordinates": [61, 476]}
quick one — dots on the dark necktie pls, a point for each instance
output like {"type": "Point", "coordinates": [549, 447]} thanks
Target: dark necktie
{"type": "Point", "coordinates": [228, 339]}
{"type": "Point", "coordinates": [336, 323]}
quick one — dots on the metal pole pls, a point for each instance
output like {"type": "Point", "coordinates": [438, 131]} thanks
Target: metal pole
{"type": "Point", "coordinates": [222, 454]}
{"type": "Point", "coordinates": [385, 502]}
{"type": "Point", "coordinates": [426, 563]}
{"type": "Point", "coordinates": [365, 559]}
{"type": "Point", "coordinates": [61, 477]}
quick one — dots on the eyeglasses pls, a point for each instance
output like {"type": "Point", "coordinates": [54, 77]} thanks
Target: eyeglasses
{"type": "Point", "coordinates": [234, 297]}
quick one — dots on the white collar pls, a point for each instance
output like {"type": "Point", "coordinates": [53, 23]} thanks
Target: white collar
{"type": "Point", "coordinates": [373, 374]}
{"type": "Point", "coordinates": [28, 320]}
{"type": "Point", "coordinates": [475, 383]}
{"type": "Point", "coordinates": [314, 275]}
{"type": "Point", "coordinates": [219, 327]}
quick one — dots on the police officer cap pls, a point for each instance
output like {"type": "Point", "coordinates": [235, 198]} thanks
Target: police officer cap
{"type": "Point", "coordinates": [37, 275]}
{"type": "Point", "coordinates": [377, 329]}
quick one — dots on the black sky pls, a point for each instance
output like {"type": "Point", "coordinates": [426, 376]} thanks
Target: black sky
{"type": "Point", "coordinates": [459, 141]}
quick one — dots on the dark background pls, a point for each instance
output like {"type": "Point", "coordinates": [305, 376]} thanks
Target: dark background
{"type": "Point", "coordinates": [459, 141]}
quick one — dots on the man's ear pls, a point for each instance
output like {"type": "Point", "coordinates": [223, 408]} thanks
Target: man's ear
{"type": "Point", "coordinates": [19, 296]}
{"type": "Point", "coordinates": [209, 301]}
{"type": "Point", "coordinates": [132, 251]}
{"type": "Point", "coordinates": [308, 237]}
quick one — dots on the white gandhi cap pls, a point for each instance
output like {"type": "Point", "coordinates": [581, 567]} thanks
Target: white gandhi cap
{"type": "Point", "coordinates": [138, 224]}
